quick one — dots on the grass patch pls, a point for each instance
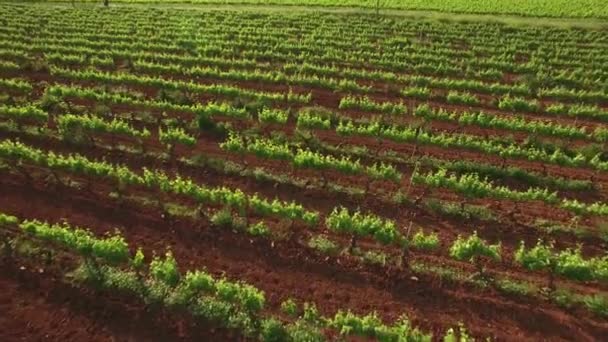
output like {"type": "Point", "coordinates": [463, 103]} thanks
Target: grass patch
{"type": "Point", "coordinates": [324, 245]}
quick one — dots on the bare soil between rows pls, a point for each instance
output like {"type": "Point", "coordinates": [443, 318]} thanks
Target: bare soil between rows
{"type": "Point", "coordinates": [284, 272]}
{"type": "Point", "coordinates": [44, 307]}
{"type": "Point", "coordinates": [510, 233]}
{"type": "Point", "coordinates": [38, 304]}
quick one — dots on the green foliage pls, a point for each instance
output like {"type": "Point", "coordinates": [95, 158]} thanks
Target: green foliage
{"type": "Point", "coordinates": [212, 109]}
{"type": "Point", "coordinates": [9, 66]}
{"type": "Point", "coordinates": [458, 335]}
{"type": "Point", "coordinates": [338, 55]}
{"type": "Point", "coordinates": [276, 116]}
{"type": "Point", "coordinates": [368, 105]}
{"type": "Point", "coordinates": [253, 75]}
{"type": "Point", "coordinates": [15, 85]}
{"type": "Point", "coordinates": [515, 288]}
{"type": "Point", "coordinates": [578, 110]}
{"type": "Point", "coordinates": [577, 207]}
{"type": "Point", "coordinates": [521, 175]}
{"type": "Point", "coordinates": [569, 263]}
{"type": "Point", "coordinates": [569, 94]}
{"type": "Point", "coordinates": [204, 113]}
{"type": "Point", "coordinates": [375, 258]}
{"type": "Point", "coordinates": [483, 119]}
{"type": "Point", "coordinates": [198, 281]}
{"type": "Point", "coordinates": [301, 331]}
{"type": "Point", "coordinates": [597, 303]}
{"type": "Point", "coordinates": [68, 123]}
{"type": "Point", "coordinates": [539, 257]}
{"type": "Point", "coordinates": [290, 307]}
{"type": "Point", "coordinates": [323, 245]}
{"type": "Point", "coordinates": [262, 148]}
{"type": "Point", "coordinates": [258, 229]}
{"type": "Point", "coordinates": [472, 186]}
{"type": "Point", "coordinates": [518, 104]}
{"type": "Point", "coordinates": [600, 268]}
{"type": "Point", "coordinates": [223, 218]}
{"type": "Point", "coordinates": [370, 326]}
{"type": "Point", "coordinates": [466, 211]}
{"type": "Point", "coordinates": [564, 298]}
{"type": "Point", "coordinates": [158, 82]}
{"type": "Point", "coordinates": [214, 310]}
{"type": "Point", "coordinates": [165, 270]}
{"type": "Point", "coordinates": [455, 97]}
{"type": "Point", "coordinates": [125, 281]}
{"type": "Point", "coordinates": [78, 164]}
{"type": "Point", "coordinates": [304, 158]}
{"type": "Point", "coordinates": [112, 249]}
{"type": "Point", "coordinates": [313, 118]}
{"type": "Point", "coordinates": [138, 260]}
{"type": "Point", "coordinates": [175, 135]}
{"type": "Point", "coordinates": [383, 171]}
{"type": "Point", "coordinates": [273, 330]}
{"type": "Point", "coordinates": [421, 93]}
{"type": "Point", "coordinates": [467, 85]}
{"type": "Point", "coordinates": [425, 242]}
{"type": "Point", "coordinates": [340, 220]}
{"type": "Point", "coordinates": [471, 249]}
{"type": "Point", "coordinates": [538, 10]}
{"type": "Point", "coordinates": [157, 180]}
{"type": "Point", "coordinates": [494, 146]}
{"type": "Point", "coordinates": [314, 160]}
{"type": "Point", "coordinates": [24, 114]}
{"type": "Point", "coordinates": [195, 283]}
{"type": "Point", "coordinates": [288, 210]}
{"type": "Point", "coordinates": [310, 314]}
{"type": "Point", "coordinates": [8, 220]}
{"type": "Point", "coordinates": [247, 296]}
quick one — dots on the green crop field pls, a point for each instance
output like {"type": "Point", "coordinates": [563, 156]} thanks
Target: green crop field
{"type": "Point", "coordinates": [258, 172]}
{"type": "Point", "coordinates": [540, 8]}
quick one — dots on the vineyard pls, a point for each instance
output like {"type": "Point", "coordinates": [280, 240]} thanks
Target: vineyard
{"type": "Point", "coordinates": [533, 8]}
{"type": "Point", "coordinates": [190, 173]}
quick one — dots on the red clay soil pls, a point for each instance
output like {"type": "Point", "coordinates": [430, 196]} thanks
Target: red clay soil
{"type": "Point", "coordinates": [576, 173]}
{"type": "Point", "coordinates": [284, 272]}
{"type": "Point", "coordinates": [331, 100]}
{"type": "Point", "coordinates": [42, 306]}
{"type": "Point", "coordinates": [510, 235]}
{"type": "Point", "coordinates": [323, 201]}
{"type": "Point", "coordinates": [285, 269]}
{"type": "Point", "coordinates": [406, 148]}
{"type": "Point", "coordinates": [381, 92]}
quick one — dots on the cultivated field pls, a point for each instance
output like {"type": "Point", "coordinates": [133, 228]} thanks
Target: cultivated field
{"type": "Point", "coordinates": [185, 173]}
{"type": "Point", "coordinates": [535, 8]}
